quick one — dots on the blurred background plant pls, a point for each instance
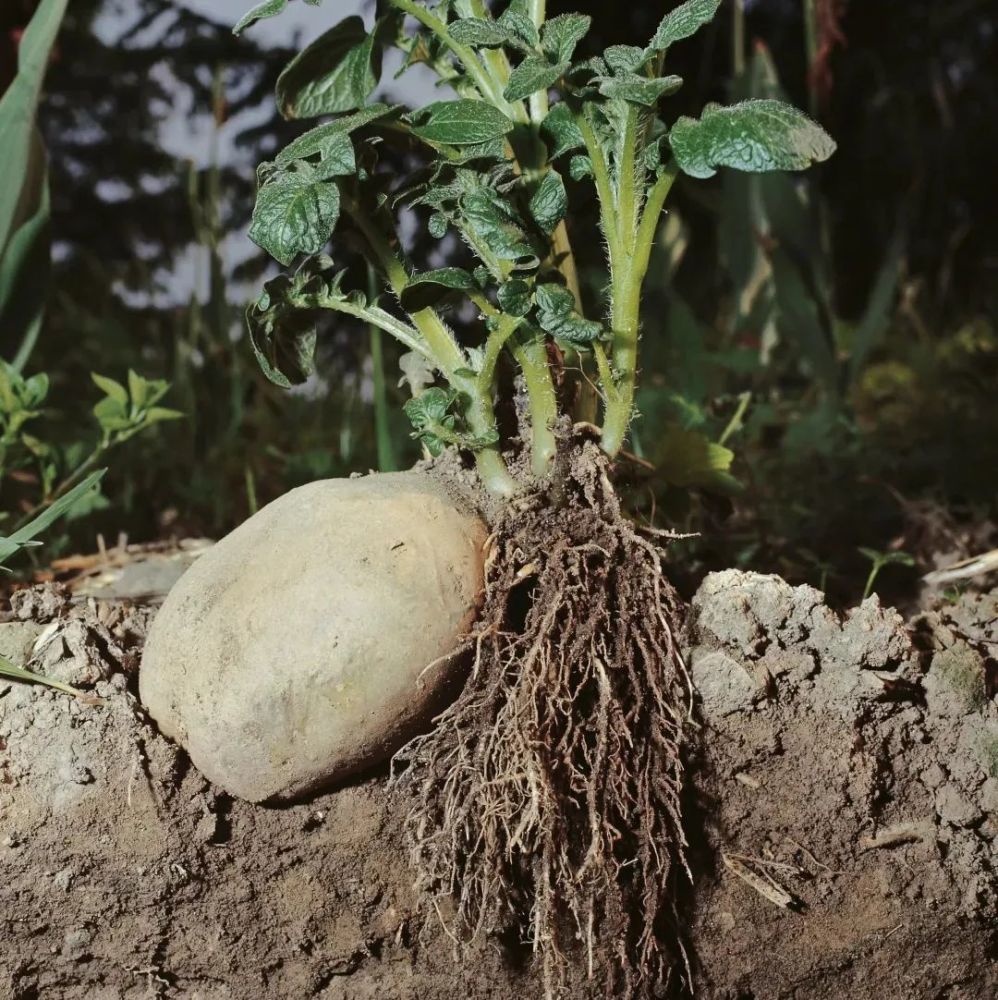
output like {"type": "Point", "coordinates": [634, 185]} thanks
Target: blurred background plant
{"type": "Point", "coordinates": [821, 352]}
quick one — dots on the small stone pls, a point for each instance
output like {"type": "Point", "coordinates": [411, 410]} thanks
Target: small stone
{"type": "Point", "coordinates": [989, 796]}
{"type": "Point", "coordinates": [953, 808]}
{"type": "Point", "coordinates": [954, 685]}
{"type": "Point", "coordinates": [319, 636]}
{"type": "Point", "coordinates": [76, 944]}
{"type": "Point", "coordinates": [723, 684]}
{"type": "Point", "coordinates": [64, 879]}
{"type": "Point", "coordinates": [933, 776]}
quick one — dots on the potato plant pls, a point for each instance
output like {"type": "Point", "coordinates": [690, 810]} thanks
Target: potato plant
{"type": "Point", "coordinates": [547, 798]}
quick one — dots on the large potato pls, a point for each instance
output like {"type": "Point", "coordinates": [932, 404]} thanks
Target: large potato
{"type": "Point", "coordinates": [317, 637]}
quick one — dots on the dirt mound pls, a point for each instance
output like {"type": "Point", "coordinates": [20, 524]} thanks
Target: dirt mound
{"type": "Point", "coordinates": [848, 795]}
{"type": "Point", "coordinates": [844, 824]}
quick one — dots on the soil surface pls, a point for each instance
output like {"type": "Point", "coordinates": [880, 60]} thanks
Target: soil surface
{"type": "Point", "coordinates": [842, 817]}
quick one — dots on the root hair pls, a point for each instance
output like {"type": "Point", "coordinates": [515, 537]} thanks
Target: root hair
{"type": "Point", "coordinates": [546, 801]}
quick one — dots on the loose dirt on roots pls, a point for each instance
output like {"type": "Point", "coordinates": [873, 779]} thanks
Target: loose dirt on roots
{"type": "Point", "coordinates": [841, 809]}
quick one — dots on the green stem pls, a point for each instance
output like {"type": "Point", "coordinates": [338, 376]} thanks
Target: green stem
{"type": "Point", "coordinates": [627, 278]}
{"type": "Point", "coordinates": [447, 355]}
{"type": "Point", "coordinates": [487, 86]}
{"type": "Point", "coordinates": [628, 200]}
{"type": "Point", "coordinates": [539, 105]}
{"type": "Point", "coordinates": [604, 185]}
{"type": "Point", "coordinates": [531, 355]}
{"type": "Point", "coordinates": [382, 427]}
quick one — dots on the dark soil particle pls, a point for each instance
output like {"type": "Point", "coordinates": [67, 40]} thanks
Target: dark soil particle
{"type": "Point", "coordinates": [842, 821]}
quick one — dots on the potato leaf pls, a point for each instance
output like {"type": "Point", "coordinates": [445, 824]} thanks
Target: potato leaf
{"type": "Point", "coordinates": [425, 290]}
{"type": "Point", "coordinates": [689, 458]}
{"type": "Point", "coordinates": [295, 214]}
{"type": "Point", "coordinates": [283, 337]}
{"type": "Point", "coordinates": [561, 129]}
{"type": "Point", "coordinates": [549, 203]}
{"type": "Point", "coordinates": [481, 33]}
{"type": "Point", "coordinates": [325, 140]}
{"type": "Point", "coordinates": [460, 123]}
{"type": "Point", "coordinates": [517, 18]}
{"type": "Point", "coordinates": [755, 136]}
{"type": "Point", "coordinates": [686, 20]}
{"type": "Point", "coordinates": [533, 74]}
{"type": "Point", "coordinates": [337, 72]}
{"type": "Point", "coordinates": [624, 59]}
{"type": "Point", "coordinates": [556, 314]}
{"type": "Point", "coordinates": [639, 89]}
{"type": "Point", "coordinates": [514, 297]}
{"type": "Point", "coordinates": [562, 34]}
{"type": "Point", "coordinates": [269, 8]}
{"type": "Point", "coordinates": [430, 415]}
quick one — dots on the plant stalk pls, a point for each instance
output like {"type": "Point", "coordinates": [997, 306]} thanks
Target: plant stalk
{"type": "Point", "coordinates": [627, 279]}
{"type": "Point", "coordinates": [531, 355]}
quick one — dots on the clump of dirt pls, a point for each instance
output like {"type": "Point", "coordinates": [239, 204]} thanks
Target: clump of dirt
{"type": "Point", "coordinates": [841, 814]}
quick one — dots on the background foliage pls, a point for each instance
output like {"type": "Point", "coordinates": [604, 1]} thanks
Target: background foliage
{"type": "Point", "coordinates": [821, 354]}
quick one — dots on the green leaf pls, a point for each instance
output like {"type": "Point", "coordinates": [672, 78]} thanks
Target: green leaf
{"type": "Point", "coordinates": [561, 35]}
{"type": "Point", "coordinates": [115, 390]}
{"type": "Point", "coordinates": [429, 414]}
{"type": "Point", "coordinates": [334, 150]}
{"type": "Point", "coordinates": [514, 297]}
{"type": "Point", "coordinates": [17, 110]}
{"type": "Point", "coordinates": [557, 315]}
{"type": "Point", "coordinates": [549, 203]}
{"type": "Point", "coordinates": [481, 33]}
{"type": "Point", "coordinates": [327, 140]}
{"type": "Point", "coordinates": [560, 127]}
{"type": "Point", "coordinates": [640, 89]}
{"type": "Point", "coordinates": [492, 220]}
{"type": "Point", "coordinates": [295, 214]}
{"type": "Point", "coordinates": [533, 74]}
{"type": "Point", "coordinates": [337, 72]}
{"type": "Point", "coordinates": [425, 290]}
{"type": "Point", "coordinates": [686, 20]}
{"type": "Point", "coordinates": [282, 336]}
{"type": "Point", "coordinates": [460, 123]}
{"type": "Point", "coordinates": [754, 136]}
{"type": "Point", "coordinates": [269, 8]}
{"type": "Point", "coordinates": [15, 673]}
{"type": "Point", "coordinates": [24, 536]}
{"type": "Point", "coordinates": [690, 459]}
{"type": "Point", "coordinates": [580, 167]}
{"type": "Point", "coordinates": [517, 18]}
{"type": "Point", "coordinates": [157, 414]}
{"type": "Point", "coordinates": [625, 59]}
{"type": "Point", "coordinates": [438, 225]}
{"type": "Point", "coordinates": [26, 261]}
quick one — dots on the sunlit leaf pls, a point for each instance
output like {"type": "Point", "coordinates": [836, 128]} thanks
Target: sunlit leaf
{"type": "Point", "coordinates": [755, 135]}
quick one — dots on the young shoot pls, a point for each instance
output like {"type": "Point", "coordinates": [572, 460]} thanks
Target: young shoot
{"type": "Point", "coordinates": [527, 118]}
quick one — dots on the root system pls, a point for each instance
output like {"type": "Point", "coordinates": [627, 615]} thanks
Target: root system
{"type": "Point", "coordinates": [546, 802]}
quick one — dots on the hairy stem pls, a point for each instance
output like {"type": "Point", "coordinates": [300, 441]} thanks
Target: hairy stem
{"type": "Point", "coordinates": [531, 355]}
{"type": "Point", "coordinates": [627, 279]}
{"type": "Point", "coordinates": [538, 101]}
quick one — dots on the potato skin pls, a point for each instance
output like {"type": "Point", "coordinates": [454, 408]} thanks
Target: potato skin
{"type": "Point", "coordinates": [319, 636]}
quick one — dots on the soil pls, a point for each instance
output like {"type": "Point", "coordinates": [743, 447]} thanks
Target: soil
{"type": "Point", "coordinates": [842, 815]}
